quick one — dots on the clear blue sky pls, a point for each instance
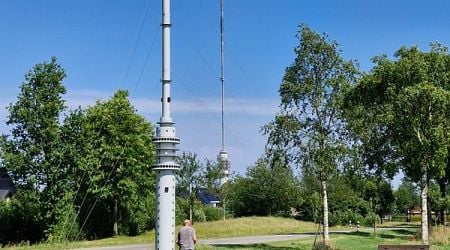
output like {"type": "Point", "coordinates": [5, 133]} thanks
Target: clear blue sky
{"type": "Point", "coordinates": [94, 41]}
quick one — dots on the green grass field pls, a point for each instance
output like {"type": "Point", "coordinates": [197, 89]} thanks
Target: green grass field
{"type": "Point", "coordinates": [272, 225]}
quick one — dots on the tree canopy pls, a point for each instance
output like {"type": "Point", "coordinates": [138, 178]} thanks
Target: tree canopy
{"type": "Point", "coordinates": [90, 169]}
{"type": "Point", "coordinates": [408, 100]}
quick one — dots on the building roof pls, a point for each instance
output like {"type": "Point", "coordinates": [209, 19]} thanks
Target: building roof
{"type": "Point", "coordinates": [206, 197]}
{"type": "Point", "coordinates": [6, 186]}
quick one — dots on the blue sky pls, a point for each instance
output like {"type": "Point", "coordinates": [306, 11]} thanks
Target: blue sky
{"type": "Point", "coordinates": [94, 41]}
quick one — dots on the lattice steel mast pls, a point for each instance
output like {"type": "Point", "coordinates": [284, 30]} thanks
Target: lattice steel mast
{"type": "Point", "coordinates": [222, 158]}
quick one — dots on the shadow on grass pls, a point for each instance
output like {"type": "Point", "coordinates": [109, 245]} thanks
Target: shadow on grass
{"type": "Point", "coordinates": [404, 225]}
{"type": "Point", "coordinates": [402, 234]}
{"type": "Point", "coordinates": [253, 246]}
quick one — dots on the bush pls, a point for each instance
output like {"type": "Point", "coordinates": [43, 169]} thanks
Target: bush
{"type": "Point", "coordinates": [344, 218]}
{"type": "Point", "coordinates": [198, 215]}
{"type": "Point", "coordinates": [370, 219]}
{"type": "Point", "coordinates": [21, 219]}
{"type": "Point", "coordinates": [181, 210]}
{"type": "Point", "coordinates": [98, 222]}
{"type": "Point", "coordinates": [5, 218]}
{"type": "Point", "coordinates": [66, 226]}
{"type": "Point", "coordinates": [213, 213]}
{"type": "Point", "coordinates": [139, 215]}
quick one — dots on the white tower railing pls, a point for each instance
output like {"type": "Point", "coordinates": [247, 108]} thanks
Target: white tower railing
{"type": "Point", "coordinates": [166, 148]}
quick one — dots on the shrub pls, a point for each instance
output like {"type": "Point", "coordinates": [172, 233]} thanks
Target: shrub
{"type": "Point", "coordinates": [370, 219]}
{"type": "Point", "coordinates": [344, 218]}
{"type": "Point", "coordinates": [66, 226]}
{"type": "Point", "coordinates": [21, 219]}
{"type": "Point", "coordinates": [213, 213]}
{"type": "Point", "coordinates": [138, 215]}
{"type": "Point", "coordinates": [5, 218]}
{"type": "Point", "coordinates": [198, 215]}
{"type": "Point", "coordinates": [181, 210]}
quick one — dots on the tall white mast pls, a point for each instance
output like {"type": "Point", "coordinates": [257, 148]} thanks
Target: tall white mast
{"type": "Point", "coordinates": [166, 148]}
{"type": "Point", "coordinates": [222, 158]}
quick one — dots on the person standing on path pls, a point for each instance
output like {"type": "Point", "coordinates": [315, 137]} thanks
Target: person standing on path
{"type": "Point", "coordinates": [186, 236]}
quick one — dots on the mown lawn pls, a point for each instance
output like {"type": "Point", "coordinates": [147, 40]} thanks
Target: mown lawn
{"type": "Point", "coordinates": [363, 240]}
{"type": "Point", "coordinates": [248, 226]}
{"type": "Point", "coordinates": [342, 241]}
{"type": "Point", "coordinates": [266, 226]}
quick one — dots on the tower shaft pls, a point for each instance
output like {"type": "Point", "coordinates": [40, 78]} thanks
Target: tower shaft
{"type": "Point", "coordinates": [166, 148]}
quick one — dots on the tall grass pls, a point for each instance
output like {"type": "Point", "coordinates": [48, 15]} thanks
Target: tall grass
{"type": "Point", "coordinates": [252, 226]}
{"type": "Point", "coordinates": [440, 235]}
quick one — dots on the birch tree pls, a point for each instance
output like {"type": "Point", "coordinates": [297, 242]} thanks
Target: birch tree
{"type": "Point", "coordinates": [309, 125]}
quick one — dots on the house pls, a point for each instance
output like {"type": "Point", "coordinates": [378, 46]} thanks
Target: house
{"type": "Point", "coordinates": [7, 187]}
{"type": "Point", "coordinates": [207, 198]}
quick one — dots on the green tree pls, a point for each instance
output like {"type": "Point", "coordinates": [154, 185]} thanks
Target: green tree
{"type": "Point", "coordinates": [443, 183]}
{"type": "Point", "coordinates": [309, 125]}
{"type": "Point", "coordinates": [406, 197]}
{"type": "Point", "coordinates": [116, 165]}
{"type": "Point", "coordinates": [189, 178]}
{"type": "Point", "coordinates": [212, 175]}
{"type": "Point", "coordinates": [379, 195]}
{"type": "Point", "coordinates": [266, 189]}
{"type": "Point", "coordinates": [412, 97]}
{"type": "Point", "coordinates": [310, 207]}
{"type": "Point", "coordinates": [346, 204]}
{"type": "Point", "coordinates": [31, 152]}
{"type": "Point", "coordinates": [437, 202]}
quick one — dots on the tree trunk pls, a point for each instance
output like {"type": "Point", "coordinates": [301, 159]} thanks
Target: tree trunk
{"type": "Point", "coordinates": [224, 211]}
{"type": "Point", "coordinates": [375, 228]}
{"type": "Point", "coordinates": [429, 214]}
{"type": "Point", "coordinates": [191, 202]}
{"type": "Point", "coordinates": [190, 213]}
{"type": "Point", "coordinates": [423, 196]}
{"type": "Point", "coordinates": [442, 188]}
{"type": "Point", "coordinates": [326, 237]}
{"type": "Point", "coordinates": [115, 227]}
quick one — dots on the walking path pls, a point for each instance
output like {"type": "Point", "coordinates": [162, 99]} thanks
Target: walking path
{"type": "Point", "coordinates": [247, 240]}
{"type": "Point", "coordinates": [224, 241]}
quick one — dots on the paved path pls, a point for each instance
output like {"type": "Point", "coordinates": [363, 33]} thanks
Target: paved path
{"type": "Point", "coordinates": [253, 239]}
{"type": "Point", "coordinates": [221, 241]}
{"type": "Point", "coordinates": [129, 247]}
{"type": "Point", "coordinates": [224, 241]}
{"type": "Point", "coordinates": [237, 240]}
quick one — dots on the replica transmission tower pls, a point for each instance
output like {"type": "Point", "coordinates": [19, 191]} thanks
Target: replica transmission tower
{"type": "Point", "coordinates": [166, 148]}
